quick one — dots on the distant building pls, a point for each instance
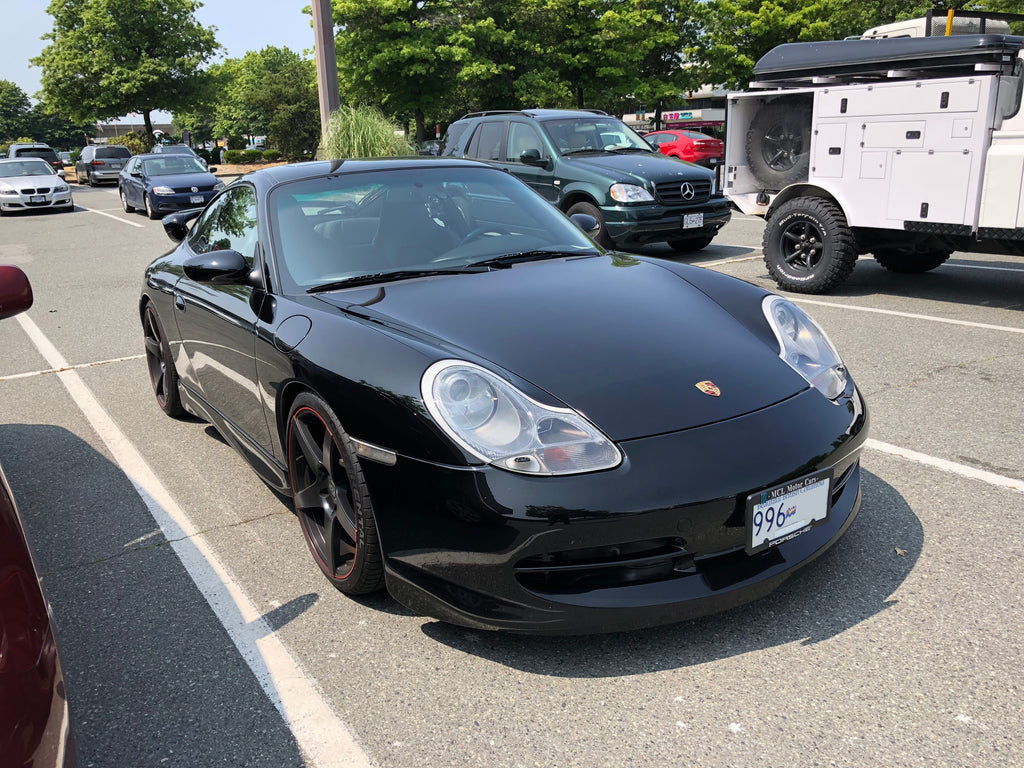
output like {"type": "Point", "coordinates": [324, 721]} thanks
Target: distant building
{"type": "Point", "coordinates": [703, 110]}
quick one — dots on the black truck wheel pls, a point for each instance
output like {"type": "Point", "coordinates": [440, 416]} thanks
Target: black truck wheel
{"type": "Point", "coordinates": [910, 262]}
{"type": "Point", "coordinates": [808, 246]}
{"type": "Point", "coordinates": [779, 142]}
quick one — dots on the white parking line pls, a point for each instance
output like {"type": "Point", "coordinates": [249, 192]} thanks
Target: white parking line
{"type": "Point", "coordinates": [910, 315]}
{"type": "Point", "coordinates": [111, 216]}
{"type": "Point", "coordinates": [983, 266]}
{"type": "Point", "coordinates": [948, 466]}
{"type": "Point", "coordinates": [324, 739]}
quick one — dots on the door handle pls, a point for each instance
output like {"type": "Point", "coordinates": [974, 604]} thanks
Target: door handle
{"type": "Point", "coordinates": [179, 301]}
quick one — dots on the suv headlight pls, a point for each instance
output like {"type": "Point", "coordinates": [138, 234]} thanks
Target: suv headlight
{"type": "Point", "coordinates": [805, 347]}
{"type": "Point", "coordinates": [630, 193]}
{"type": "Point", "coordinates": [502, 426]}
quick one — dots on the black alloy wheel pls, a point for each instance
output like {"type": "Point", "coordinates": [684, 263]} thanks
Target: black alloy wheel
{"type": "Point", "coordinates": [331, 498]}
{"type": "Point", "coordinates": [162, 373]}
{"type": "Point", "coordinates": [808, 246]}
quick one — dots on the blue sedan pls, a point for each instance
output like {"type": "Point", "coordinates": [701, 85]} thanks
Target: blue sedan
{"type": "Point", "coordinates": [162, 184]}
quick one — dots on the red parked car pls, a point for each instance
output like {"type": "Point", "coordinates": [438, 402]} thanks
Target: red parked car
{"type": "Point", "coordinates": [34, 726]}
{"type": "Point", "coordinates": [691, 146]}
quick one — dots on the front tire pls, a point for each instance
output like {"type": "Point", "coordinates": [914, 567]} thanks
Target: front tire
{"type": "Point", "coordinates": [808, 246]}
{"type": "Point", "coordinates": [162, 373]}
{"type": "Point", "coordinates": [150, 210]}
{"type": "Point", "coordinates": [690, 244]}
{"type": "Point", "coordinates": [331, 499]}
{"type": "Point", "coordinates": [124, 203]}
{"type": "Point", "coordinates": [909, 262]}
{"type": "Point", "coordinates": [602, 237]}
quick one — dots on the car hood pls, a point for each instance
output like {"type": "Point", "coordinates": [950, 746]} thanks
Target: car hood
{"type": "Point", "coordinates": [639, 166]}
{"type": "Point", "coordinates": [22, 182]}
{"type": "Point", "coordinates": [622, 340]}
{"type": "Point", "coordinates": [178, 180]}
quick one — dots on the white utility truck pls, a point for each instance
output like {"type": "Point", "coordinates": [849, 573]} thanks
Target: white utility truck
{"type": "Point", "coordinates": [904, 147]}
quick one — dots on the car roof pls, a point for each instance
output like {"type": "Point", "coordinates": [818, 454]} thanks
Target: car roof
{"type": "Point", "coordinates": [539, 114]}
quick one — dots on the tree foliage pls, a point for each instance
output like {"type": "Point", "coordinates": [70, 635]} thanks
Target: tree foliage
{"type": "Point", "coordinates": [110, 57]}
{"type": "Point", "coordinates": [14, 110]}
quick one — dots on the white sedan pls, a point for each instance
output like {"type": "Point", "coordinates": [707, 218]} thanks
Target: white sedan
{"type": "Point", "coordinates": [30, 183]}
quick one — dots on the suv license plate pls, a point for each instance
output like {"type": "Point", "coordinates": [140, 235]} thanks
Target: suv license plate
{"type": "Point", "coordinates": [784, 512]}
{"type": "Point", "coordinates": [692, 220]}
{"type": "Point", "coordinates": [196, 199]}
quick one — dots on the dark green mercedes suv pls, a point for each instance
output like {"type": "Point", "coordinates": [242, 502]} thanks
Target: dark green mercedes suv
{"type": "Point", "coordinates": [590, 162]}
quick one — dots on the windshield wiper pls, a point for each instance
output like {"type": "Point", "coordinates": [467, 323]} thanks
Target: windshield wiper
{"type": "Point", "coordinates": [387, 277]}
{"type": "Point", "coordinates": [509, 259]}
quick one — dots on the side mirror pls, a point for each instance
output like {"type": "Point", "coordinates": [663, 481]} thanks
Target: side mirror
{"type": "Point", "coordinates": [218, 267]}
{"type": "Point", "coordinates": [176, 225]}
{"type": "Point", "coordinates": [212, 168]}
{"type": "Point", "coordinates": [137, 174]}
{"type": "Point", "coordinates": [532, 157]}
{"type": "Point", "coordinates": [587, 223]}
{"type": "Point", "coordinates": [15, 291]}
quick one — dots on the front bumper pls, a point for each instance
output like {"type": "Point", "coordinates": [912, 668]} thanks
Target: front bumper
{"type": "Point", "coordinates": [658, 540]}
{"type": "Point", "coordinates": [36, 199]}
{"type": "Point", "coordinates": [642, 224]}
{"type": "Point", "coordinates": [181, 201]}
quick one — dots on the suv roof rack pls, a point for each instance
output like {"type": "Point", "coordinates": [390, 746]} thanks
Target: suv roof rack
{"type": "Point", "coordinates": [527, 112]}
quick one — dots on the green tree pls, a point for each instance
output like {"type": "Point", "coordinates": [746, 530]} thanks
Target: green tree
{"type": "Point", "coordinates": [291, 107]}
{"type": "Point", "coordinates": [397, 54]}
{"type": "Point", "coordinates": [14, 110]}
{"type": "Point", "coordinates": [110, 57]}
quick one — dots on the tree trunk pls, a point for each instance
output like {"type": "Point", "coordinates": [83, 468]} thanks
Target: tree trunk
{"type": "Point", "coordinates": [149, 122]}
{"type": "Point", "coordinates": [420, 129]}
{"type": "Point", "coordinates": [579, 97]}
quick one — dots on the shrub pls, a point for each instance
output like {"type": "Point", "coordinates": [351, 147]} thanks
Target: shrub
{"type": "Point", "coordinates": [271, 156]}
{"type": "Point", "coordinates": [234, 157]}
{"type": "Point", "coordinates": [361, 132]}
{"type": "Point", "coordinates": [138, 143]}
{"type": "Point", "coordinates": [252, 156]}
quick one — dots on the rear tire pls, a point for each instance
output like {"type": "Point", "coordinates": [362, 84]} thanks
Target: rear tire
{"type": "Point", "coordinates": [89, 179]}
{"type": "Point", "coordinates": [602, 238]}
{"type": "Point", "coordinates": [808, 246]}
{"type": "Point", "coordinates": [910, 262]}
{"type": "Point", "coordinates": [162, 373]}
{"type": "Point", "coordinates": [779, 143]}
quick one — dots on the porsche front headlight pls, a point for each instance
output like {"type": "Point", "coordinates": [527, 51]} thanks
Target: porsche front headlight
{"type": "Point", "coordinates": [502, 426]}
{"type": "Point", "coordinates": [805, 347]}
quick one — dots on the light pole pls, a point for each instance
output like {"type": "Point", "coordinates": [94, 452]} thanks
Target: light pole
{"type": "Point", "coordinates": [326, 61]}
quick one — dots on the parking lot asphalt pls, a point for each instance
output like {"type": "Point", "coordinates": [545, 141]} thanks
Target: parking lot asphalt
{"type": "Point", "coordinates": [192, 620]}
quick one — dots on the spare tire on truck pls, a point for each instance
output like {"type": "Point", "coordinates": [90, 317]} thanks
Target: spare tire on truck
{"type": "Point", "coordinates": [779, 142]}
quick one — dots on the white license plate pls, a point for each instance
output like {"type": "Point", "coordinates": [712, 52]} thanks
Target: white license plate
{"type": "Point", "coordinates": [115, 166]}
{"type": "Point", "coordinates": [691, 220]}
{"type": "Point", "coordinates": [37, 199]}
{"type": "Point", "coordinates": [784, 512]}
{"type": "Point", "coordinates": [196, 199]}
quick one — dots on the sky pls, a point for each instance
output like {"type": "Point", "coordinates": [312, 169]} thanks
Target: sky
{"type": "Point", "coordinates": [242, 26]}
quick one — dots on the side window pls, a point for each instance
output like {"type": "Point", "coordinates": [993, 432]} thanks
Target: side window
{"type": "Point", "coordinates": [486, 142]}
{"type": "Point", "coordinates": [228, 224]}
{"type": "Point", "coordinates": [522, 137]}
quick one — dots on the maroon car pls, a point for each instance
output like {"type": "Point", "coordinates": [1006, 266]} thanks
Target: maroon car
{"type": "Point", "coordinates": [691, 146]}
{"type": "Point", "coordinates": [35, 729]}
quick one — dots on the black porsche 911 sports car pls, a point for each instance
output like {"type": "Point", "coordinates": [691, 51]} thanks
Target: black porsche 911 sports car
{"type": "Point", "coordinates": [473, 404]}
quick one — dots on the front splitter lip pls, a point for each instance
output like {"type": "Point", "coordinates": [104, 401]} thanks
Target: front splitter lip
{"type": "Point", "coordinates": [460, 565]}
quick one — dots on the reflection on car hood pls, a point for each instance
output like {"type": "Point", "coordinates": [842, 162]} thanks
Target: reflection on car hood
{"type": "Point", "coordinates": [622, 340]}
{"type": "Point", "coordinates": [641, 166]}
{"type": "Point", "coordinates": [21, 182]}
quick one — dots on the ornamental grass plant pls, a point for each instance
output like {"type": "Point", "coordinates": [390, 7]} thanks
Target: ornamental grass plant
{"type": "Point", "coordinates": [361, 132]}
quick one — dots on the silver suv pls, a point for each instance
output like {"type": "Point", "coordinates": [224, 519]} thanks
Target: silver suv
{"type": "Point", "coordinates": [101, 162]}
{"type": "Point", "coordinates": [37, 149]}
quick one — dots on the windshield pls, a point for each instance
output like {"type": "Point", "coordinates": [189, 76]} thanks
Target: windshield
{"type": "Point", "coordinates": [45, 154]}
{"type": "Point", "coordinates": [25, 168]}
{"type": "Point", "coordinates": [113, 152]}
{"type": "Point", "coordinates": [599, 133]}
{"type": "Point", "coordinates": [173, 165]}
{"type": "Point", "coordinates": [367, 226]}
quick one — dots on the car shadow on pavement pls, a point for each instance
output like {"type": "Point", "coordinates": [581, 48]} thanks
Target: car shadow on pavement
{"type": "Point", "coordinates": [848, 585]}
